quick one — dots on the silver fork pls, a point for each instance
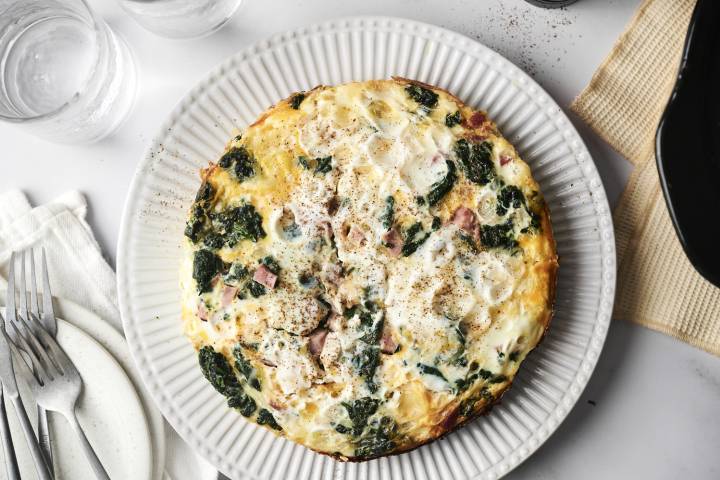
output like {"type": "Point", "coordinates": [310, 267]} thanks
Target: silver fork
{"type": "Point", "coordinates": [55, 383]}
{"type": "Point", "coordinates": [7, 375]}
{"type": "Point", "coordinates": [47, 318]}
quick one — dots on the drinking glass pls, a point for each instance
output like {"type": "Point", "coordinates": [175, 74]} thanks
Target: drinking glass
{"type": "Point", "coordinates": [64, 75]}
{"type": "Point", "coordinates": [181, 18]}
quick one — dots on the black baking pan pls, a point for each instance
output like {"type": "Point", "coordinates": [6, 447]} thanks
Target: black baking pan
{"type": "Point", "coordinates": [687, 144]}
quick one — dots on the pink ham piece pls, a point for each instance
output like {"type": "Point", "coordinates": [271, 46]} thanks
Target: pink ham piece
{"type": "Point", "coordinates": [265, 277]}
{"type": "Point", "coordinates": [228, 295]}
{"type": "Point", "coordinates": [393, 241]}
{"type": "Point", "coordinates": [388, 344]}
{"type": "Point", "coordinates": [465, 219]}
{"type": "Point", "coordinates": [203, 313]}
{"type": "Point", "coordinates": [477, 119]}
{"type": "Point", "coordinates": [316, 341]}
{"type": "Point", "coordinates": [504, 160]}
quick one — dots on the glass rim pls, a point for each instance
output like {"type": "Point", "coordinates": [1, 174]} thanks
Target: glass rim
{"type": "Point", "coordinates": [97, 24]}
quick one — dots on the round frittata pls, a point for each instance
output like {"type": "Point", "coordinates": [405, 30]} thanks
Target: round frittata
{"type": "Point", "coordinates": [366, 267]}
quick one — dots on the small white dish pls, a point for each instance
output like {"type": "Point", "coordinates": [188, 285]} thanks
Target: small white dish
{"type": "Point", "coordinates": [109, 409]}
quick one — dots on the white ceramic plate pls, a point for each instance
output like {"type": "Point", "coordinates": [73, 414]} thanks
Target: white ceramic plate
{"type": "Point", "coordinates": [109, 411]}
{"type": "Point", "coordinates": [104, 334]}
{"type": "Point", "coordinates": [550, 380]}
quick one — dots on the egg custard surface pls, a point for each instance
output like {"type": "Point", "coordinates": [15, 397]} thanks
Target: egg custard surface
{"type": "Point", "coordinates": [366, 267]}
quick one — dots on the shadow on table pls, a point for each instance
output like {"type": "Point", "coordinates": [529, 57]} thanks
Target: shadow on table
{"type": "Point", "coordinates": [580, 420]}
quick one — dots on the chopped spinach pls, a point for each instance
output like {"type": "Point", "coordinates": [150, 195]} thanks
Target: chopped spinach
{"type": "Point", "coordinates": [534, 222]}
{"type": "Point", "coordinates": [271, 264]}
{"type": "Point", "coordinates": [243, 163]}
{"type": "Point", "coordinates": [476, 161]}
{"type": "Point", "coordinates": [514, 356]}
{"type": "Point", "coordinates": [245, 367]}
{"type": "Point", "coordinates": [366, 363]}
{"type": "Point", "coordinates": [430, 370]}
{"type": "Point", "coordinates": [440, 188]}
{"type": "Point", "coordinates": [318, 165]}
{"type": "Point", "coordinates": [305, 162]}
{"type": "Point", "coordinates": [307, 280]}
{"type": "Point", "coordinates": [498, 236]}
{"type": "Point", "coordinates": [452, 119]}
{"type": "Point", "coordinates": [485, 373]}
{"type": "Point", "coordinates": [195, 224]}
{"type": "Point", "coordinates": [378, 438]}
{"type": "Point", "coordinates": [340, 428]}
{"type": "Point", "coordinates": [221, 376]}
{"type": "Point", "coordinates": [498, 379]}
{"type": "Point", "coordinates": [296, 100]}
{"type": "Point", "coordinates": [388, 215]}
{"type": "Point", "coordinates": [205, 266]}
{"type": "Point", "coordinates": [256, 289]}
{"type": "Point", "coordinates": [469, 241]}
{"type": "Point", "coordinates": [266, 418]}
{"type": "Point", "coordinates": [243, 402]}
{"type": "Point", "coordinates": [235, 274]}
{"type": "Point", "coordinates": [205, 195]}
{"type": "Point", "coordinates": [324, 165]}
{"type": "Point", "coordinates": [509, 196]}
{"type": "Point", "coordinates": [459, 358]}
{"type": "Point", "coordinates": [213, 241]}
{"type": "Point", "coordinates": [414, 237]}
{"type": "Point", "coordinates": [421, 95]}
{"type": "Point", "coordinates": [360, 411]}
{"type": "Point", "coordinates": [240, 223]}
{"type": "Point", "coordinates": [436, 223]}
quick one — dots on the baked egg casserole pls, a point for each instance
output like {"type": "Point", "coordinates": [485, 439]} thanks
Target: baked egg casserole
{"type": "Point", "coordinates": [366, 267]}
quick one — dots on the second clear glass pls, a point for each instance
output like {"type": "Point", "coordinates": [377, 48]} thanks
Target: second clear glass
{"type": "Point", "coordinates": [181, 18]}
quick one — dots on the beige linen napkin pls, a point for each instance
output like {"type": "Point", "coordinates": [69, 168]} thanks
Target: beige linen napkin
{"type": "Point", "coordinates": [657, 285]}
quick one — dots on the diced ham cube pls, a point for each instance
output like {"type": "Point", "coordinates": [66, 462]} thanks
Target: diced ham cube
{"type": "Point", "coordinates": [265, 277]}
{"type": "Point", "coordinates": [228, 295]}
{"type": "Point", "coordinates": [477, 119]}
{"type": "Point", "coordinates": [316, 341]}
{"type": "Point", "coordinates": [505, 159]}
{"type": "Point", "coordinates": [466, 220]}
{"type": "Point", "coordinates": [388, 344]}
{"type": "Point", "coordinates": [393, 241]}
{"type": "Point", "coordinates": [202, 312]}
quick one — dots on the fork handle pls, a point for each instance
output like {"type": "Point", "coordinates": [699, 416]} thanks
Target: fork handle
{"type": "Point", "coordinates": [11, 467]}
{"type": "Point", "coordinates": [43, 435]}
{"type": "Point", "coordinates": [38, 458]}
{"type": "Point", "coordinates": [90, 454]}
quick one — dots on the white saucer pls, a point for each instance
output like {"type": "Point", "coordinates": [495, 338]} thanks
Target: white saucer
{"type": "Point", "coordinates": [121, 420]}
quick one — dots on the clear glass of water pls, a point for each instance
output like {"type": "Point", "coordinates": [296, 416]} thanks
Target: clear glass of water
{"type": "Point", "coordinates": [64, 75]}
{"type": "Point", "coordinates": [181, 18]}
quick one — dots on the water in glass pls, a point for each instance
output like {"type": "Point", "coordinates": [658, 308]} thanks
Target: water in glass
{"type": "Point", "coordinates": [64, 74]}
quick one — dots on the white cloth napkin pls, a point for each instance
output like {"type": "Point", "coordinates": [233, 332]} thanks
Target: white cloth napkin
{"type": "Point", "coordinates": [78, 272]}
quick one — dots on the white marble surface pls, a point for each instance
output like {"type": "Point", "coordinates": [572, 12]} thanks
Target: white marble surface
{"type": "Point", "coordinates": [651, 408]}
